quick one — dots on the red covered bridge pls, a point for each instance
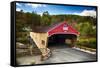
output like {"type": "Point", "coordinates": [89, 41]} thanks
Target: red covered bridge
{"type": "Point", "coordinates": [56, 32]}
{"type": "Point", "coordinates": [62, 28]}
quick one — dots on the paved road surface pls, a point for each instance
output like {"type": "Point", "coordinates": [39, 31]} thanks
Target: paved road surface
{"type": "Point", "coordinates": [66, 54]}
{"type": "Point", "coordinates": [62, 54]}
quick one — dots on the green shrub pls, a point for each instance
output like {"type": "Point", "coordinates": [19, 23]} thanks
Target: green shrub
{"type": "Point", "coordinates": [87, 42]}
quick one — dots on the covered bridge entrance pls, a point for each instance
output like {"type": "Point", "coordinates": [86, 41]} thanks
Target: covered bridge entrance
{"type": "Point", "coordinates": [57, 32]}
{"type": "Point", "coordinates": [62, 39]}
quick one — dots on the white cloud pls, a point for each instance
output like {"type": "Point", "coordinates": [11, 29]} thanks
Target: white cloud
{"type": "Point", "coordinates": [18, 9]}
{"type": "Point", "coordinates": [91, 13]}
{"type": "Point", "coordinates": [36, 5]}
{"type": "Point", "coordinates": [18, 4]}
{"type": "Point", "coordinates": [40, 14]}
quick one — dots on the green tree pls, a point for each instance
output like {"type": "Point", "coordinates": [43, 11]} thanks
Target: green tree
{"type": "Point", "coordinates": [46, 19]}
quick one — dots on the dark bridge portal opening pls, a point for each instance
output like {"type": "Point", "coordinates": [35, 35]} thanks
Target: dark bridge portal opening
{"type": "Point", "coordinates": [61, 39]}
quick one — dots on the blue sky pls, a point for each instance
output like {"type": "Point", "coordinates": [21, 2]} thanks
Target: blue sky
{"type": "Point", "coordinates": [55, 9]}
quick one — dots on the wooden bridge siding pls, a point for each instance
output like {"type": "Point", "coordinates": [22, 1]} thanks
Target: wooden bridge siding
{"type": "Point", "coordinates": [38, 37]}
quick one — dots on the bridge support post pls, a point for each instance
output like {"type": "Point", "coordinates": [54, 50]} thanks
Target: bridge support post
{"type": "Point", "coordinates": [73, 42]}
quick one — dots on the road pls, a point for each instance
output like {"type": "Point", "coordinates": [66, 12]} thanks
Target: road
{"type": "Point", "coordinates": [67, 54]}
{"type": "Point", "coordinates": [62, 54]}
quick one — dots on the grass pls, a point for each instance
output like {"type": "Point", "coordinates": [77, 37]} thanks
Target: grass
{"type": "Point", "coordinates": [87, 42]}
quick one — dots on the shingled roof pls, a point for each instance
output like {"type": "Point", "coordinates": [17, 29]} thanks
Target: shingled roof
{"type": "Point", "coordinates": [43, 29]}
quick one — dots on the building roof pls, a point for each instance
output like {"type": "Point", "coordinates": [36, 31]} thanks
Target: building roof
{"type": "Point", "coordinates": [43, 29]}
{"type": "Point", "coordinates": [56, 26]}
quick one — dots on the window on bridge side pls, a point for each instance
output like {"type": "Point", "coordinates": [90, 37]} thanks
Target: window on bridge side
{"type": "Point", "coordinates": [43, 42]}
